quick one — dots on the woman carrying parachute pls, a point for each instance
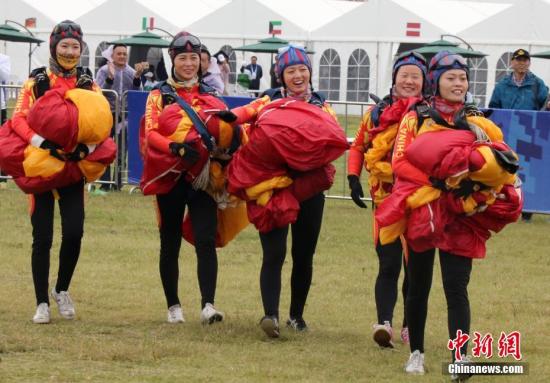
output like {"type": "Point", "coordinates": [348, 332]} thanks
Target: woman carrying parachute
{"type": "Point", "coordinates": [282, 173]}
{"type": "Point", "coordinates": [372, 148]}
{"type": "Point", "coordinates": [187, 139]}
{"type": "Point", "coordinates": [57, 139]}
{"type": "Point", "coordinates": [455, 182]}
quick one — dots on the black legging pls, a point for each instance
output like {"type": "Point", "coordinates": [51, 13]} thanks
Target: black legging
{"type": "Point", "coordinates": [203, 212]}
{"type": "Point", "coordinates": [71, 208]}
{"type": "Point", "coordinates": [390, 257]}
{"type": "Point", "coordinates": [305, 233]}
{"type": "Point", "coordinates": [455, 273]}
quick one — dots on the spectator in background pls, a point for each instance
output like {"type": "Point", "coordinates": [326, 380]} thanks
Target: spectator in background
{"type": "Point", "coordinates": [149, 81]}
{"type": "Point", "coordinates": [120, 77]}
{"type": "Point", "coordinates": [255, 73]}
{"type": "Point", "coordinates": [210, 72]}
{"type": "Point", "coordinates": [225, 69]}
{"type": "Point", "coordinates": [5, 70]}
{"type": "Point", "coordinates": [521, 90]}
{"type": "Point", "coordinates": [275, 81]}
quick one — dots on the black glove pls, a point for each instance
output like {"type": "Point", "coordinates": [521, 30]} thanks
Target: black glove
{"type": "Point", "coordinates": [227, 116]}
{"type": "Point", "coordinates": [167, 99]}
{"type": "Point", "coordinates": [185, 151]}
{"type": "Point", "coordinates": [41, 84]}
{"type": "Point", "coordinates": [85, 81]}
{"type": "Point", "coordinates": [438, 184]}
{"type": "Point", "coordinates": [356, 191]}
{"type": "Point", "coordinates": [467, 188]}
{"type": "Point", "coordinates": [81, 151]}
{"type": "Point", "coordinates": [53, 148]}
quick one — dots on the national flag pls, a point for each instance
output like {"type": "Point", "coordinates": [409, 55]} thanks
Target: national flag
{"type": "Point", "coordinates": [413, 30]}
{"type": "Point", "coordinates": [144, 23]}
{"type": "Point", "coordinates": [275, 27]}
{"type": "Point", "coordinates": [151, 23]}
{"type": "Point", "coordinates": [30, 22]}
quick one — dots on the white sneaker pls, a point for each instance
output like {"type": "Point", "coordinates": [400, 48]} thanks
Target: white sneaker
{"type": "Point", "coordinates": [175, 314]}
{"type": "Point", "coordinates": [42, 314]}
{"type": "Point", "coordinates": [415, 364]}
{"type": "Point", "coordinates": [209, 314]}
{"type": "Point", "coordinates": [383, 334]}
{"type": "Point", "coordinates": [64, 304]}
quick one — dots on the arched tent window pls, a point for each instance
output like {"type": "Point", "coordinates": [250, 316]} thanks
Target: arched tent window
{"type": "Point", "coordinates": [85, 56]}
{"type": "Point", "coordinates": [99, 59]}
{"type": "Point", "coordinates": [503, 66]}
{"type": "Point", "coordinates": [478, 80]}
{"type": "Point", "coordinates": [329, 74]}
{"type": "Point", "coordinates": [358, 76]}
{"type": "Point", "coordinates": [232, 62]}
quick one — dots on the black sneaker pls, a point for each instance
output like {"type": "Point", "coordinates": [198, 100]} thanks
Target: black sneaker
{"type": "Point", "coordinates": [270, 325]}
{"type": "Point", "coordinates": [298, 324]}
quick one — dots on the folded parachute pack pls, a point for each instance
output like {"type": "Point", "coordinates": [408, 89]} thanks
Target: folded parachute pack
{"type": "Point", "coordinates": [66, 118]}
{"type": "Point", "coordinates": [161, 170]}
{"type": "Point", "coordinates": [478, 195]}
{"type": "Point", "coordinates": [287, 161]}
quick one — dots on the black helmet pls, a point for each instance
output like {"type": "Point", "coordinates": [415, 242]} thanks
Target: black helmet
{"type": "Point", "coordinates": [66, 29]}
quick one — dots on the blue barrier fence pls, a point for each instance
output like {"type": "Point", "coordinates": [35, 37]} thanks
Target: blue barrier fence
{"type": "Point", "coordinates": [527, 132]}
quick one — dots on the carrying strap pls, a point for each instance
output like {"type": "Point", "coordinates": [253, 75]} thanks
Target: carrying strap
{"type": "Point", "coordinates": [46, 86]}
{"type": "Point", "coordinates": [195, 119]}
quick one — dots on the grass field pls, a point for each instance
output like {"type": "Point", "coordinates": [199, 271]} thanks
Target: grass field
{"type": "Point", "coordinates": [120, 334]}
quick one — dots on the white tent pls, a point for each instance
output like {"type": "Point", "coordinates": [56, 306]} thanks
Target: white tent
{"type": "Point", "coordinates": [375, 27]}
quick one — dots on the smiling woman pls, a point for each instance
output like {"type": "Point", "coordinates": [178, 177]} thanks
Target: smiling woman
{"type": "Point", "coordinates": [282, 173]}
{"type": "Point", "coordinates": [446, 198]}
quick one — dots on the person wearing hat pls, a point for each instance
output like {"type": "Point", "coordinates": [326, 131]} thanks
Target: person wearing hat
{"type": "Point", "coordinates": [62, 74]}
{"type": "Point", "coordinates": [179, 149]}
{"type": "Point", "coordinates": [372, 148]}
{"type": "Point", "coordinates": [297, 202]}
{"type": "Point", "coordinates": [520, 90]}
{"type": "Point", "coordinates": [437, 165]}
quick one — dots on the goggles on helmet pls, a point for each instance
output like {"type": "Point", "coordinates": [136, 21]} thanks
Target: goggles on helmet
{"type": "Point", "coordinates": [448, 61]}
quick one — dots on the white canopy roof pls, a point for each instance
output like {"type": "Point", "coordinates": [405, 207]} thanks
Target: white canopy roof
{"type": "Point", "coordinates": [246, 19]}
{"type": "Point", "coordinates": [525, 22]}
{"type": "Point", "coordinates": [377, 20]}
{"type": "Point", "coordinates": [453, 16]}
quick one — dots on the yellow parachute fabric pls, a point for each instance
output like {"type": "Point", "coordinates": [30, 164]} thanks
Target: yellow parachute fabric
{"type": "Point", "coordinates": [263, 191]}
{"type": "Point", "coordinates": [94, 115]}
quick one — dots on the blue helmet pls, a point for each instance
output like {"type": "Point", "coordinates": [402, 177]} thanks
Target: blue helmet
{"type": "Point", "coordinates": [291, 55]}
{"type": "Point", "coordinates": [410, 58]}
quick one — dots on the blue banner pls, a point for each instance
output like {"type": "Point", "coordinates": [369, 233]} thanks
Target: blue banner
{"type": "Point", "coordinates": [528, 133]}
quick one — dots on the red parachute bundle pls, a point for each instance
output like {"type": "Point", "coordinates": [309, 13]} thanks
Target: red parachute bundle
{"type": "Point", "coordinates": [161, 170]}
{"type": "Point", "coordinates": [288, 134]}
{"type": "Point", "coordinates": [443, 220]}
{"type": "Point", "coordinates": [65, 117]}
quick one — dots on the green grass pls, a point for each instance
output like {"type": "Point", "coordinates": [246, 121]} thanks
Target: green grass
{"type": "Point", "coordinates": [120, 334]}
